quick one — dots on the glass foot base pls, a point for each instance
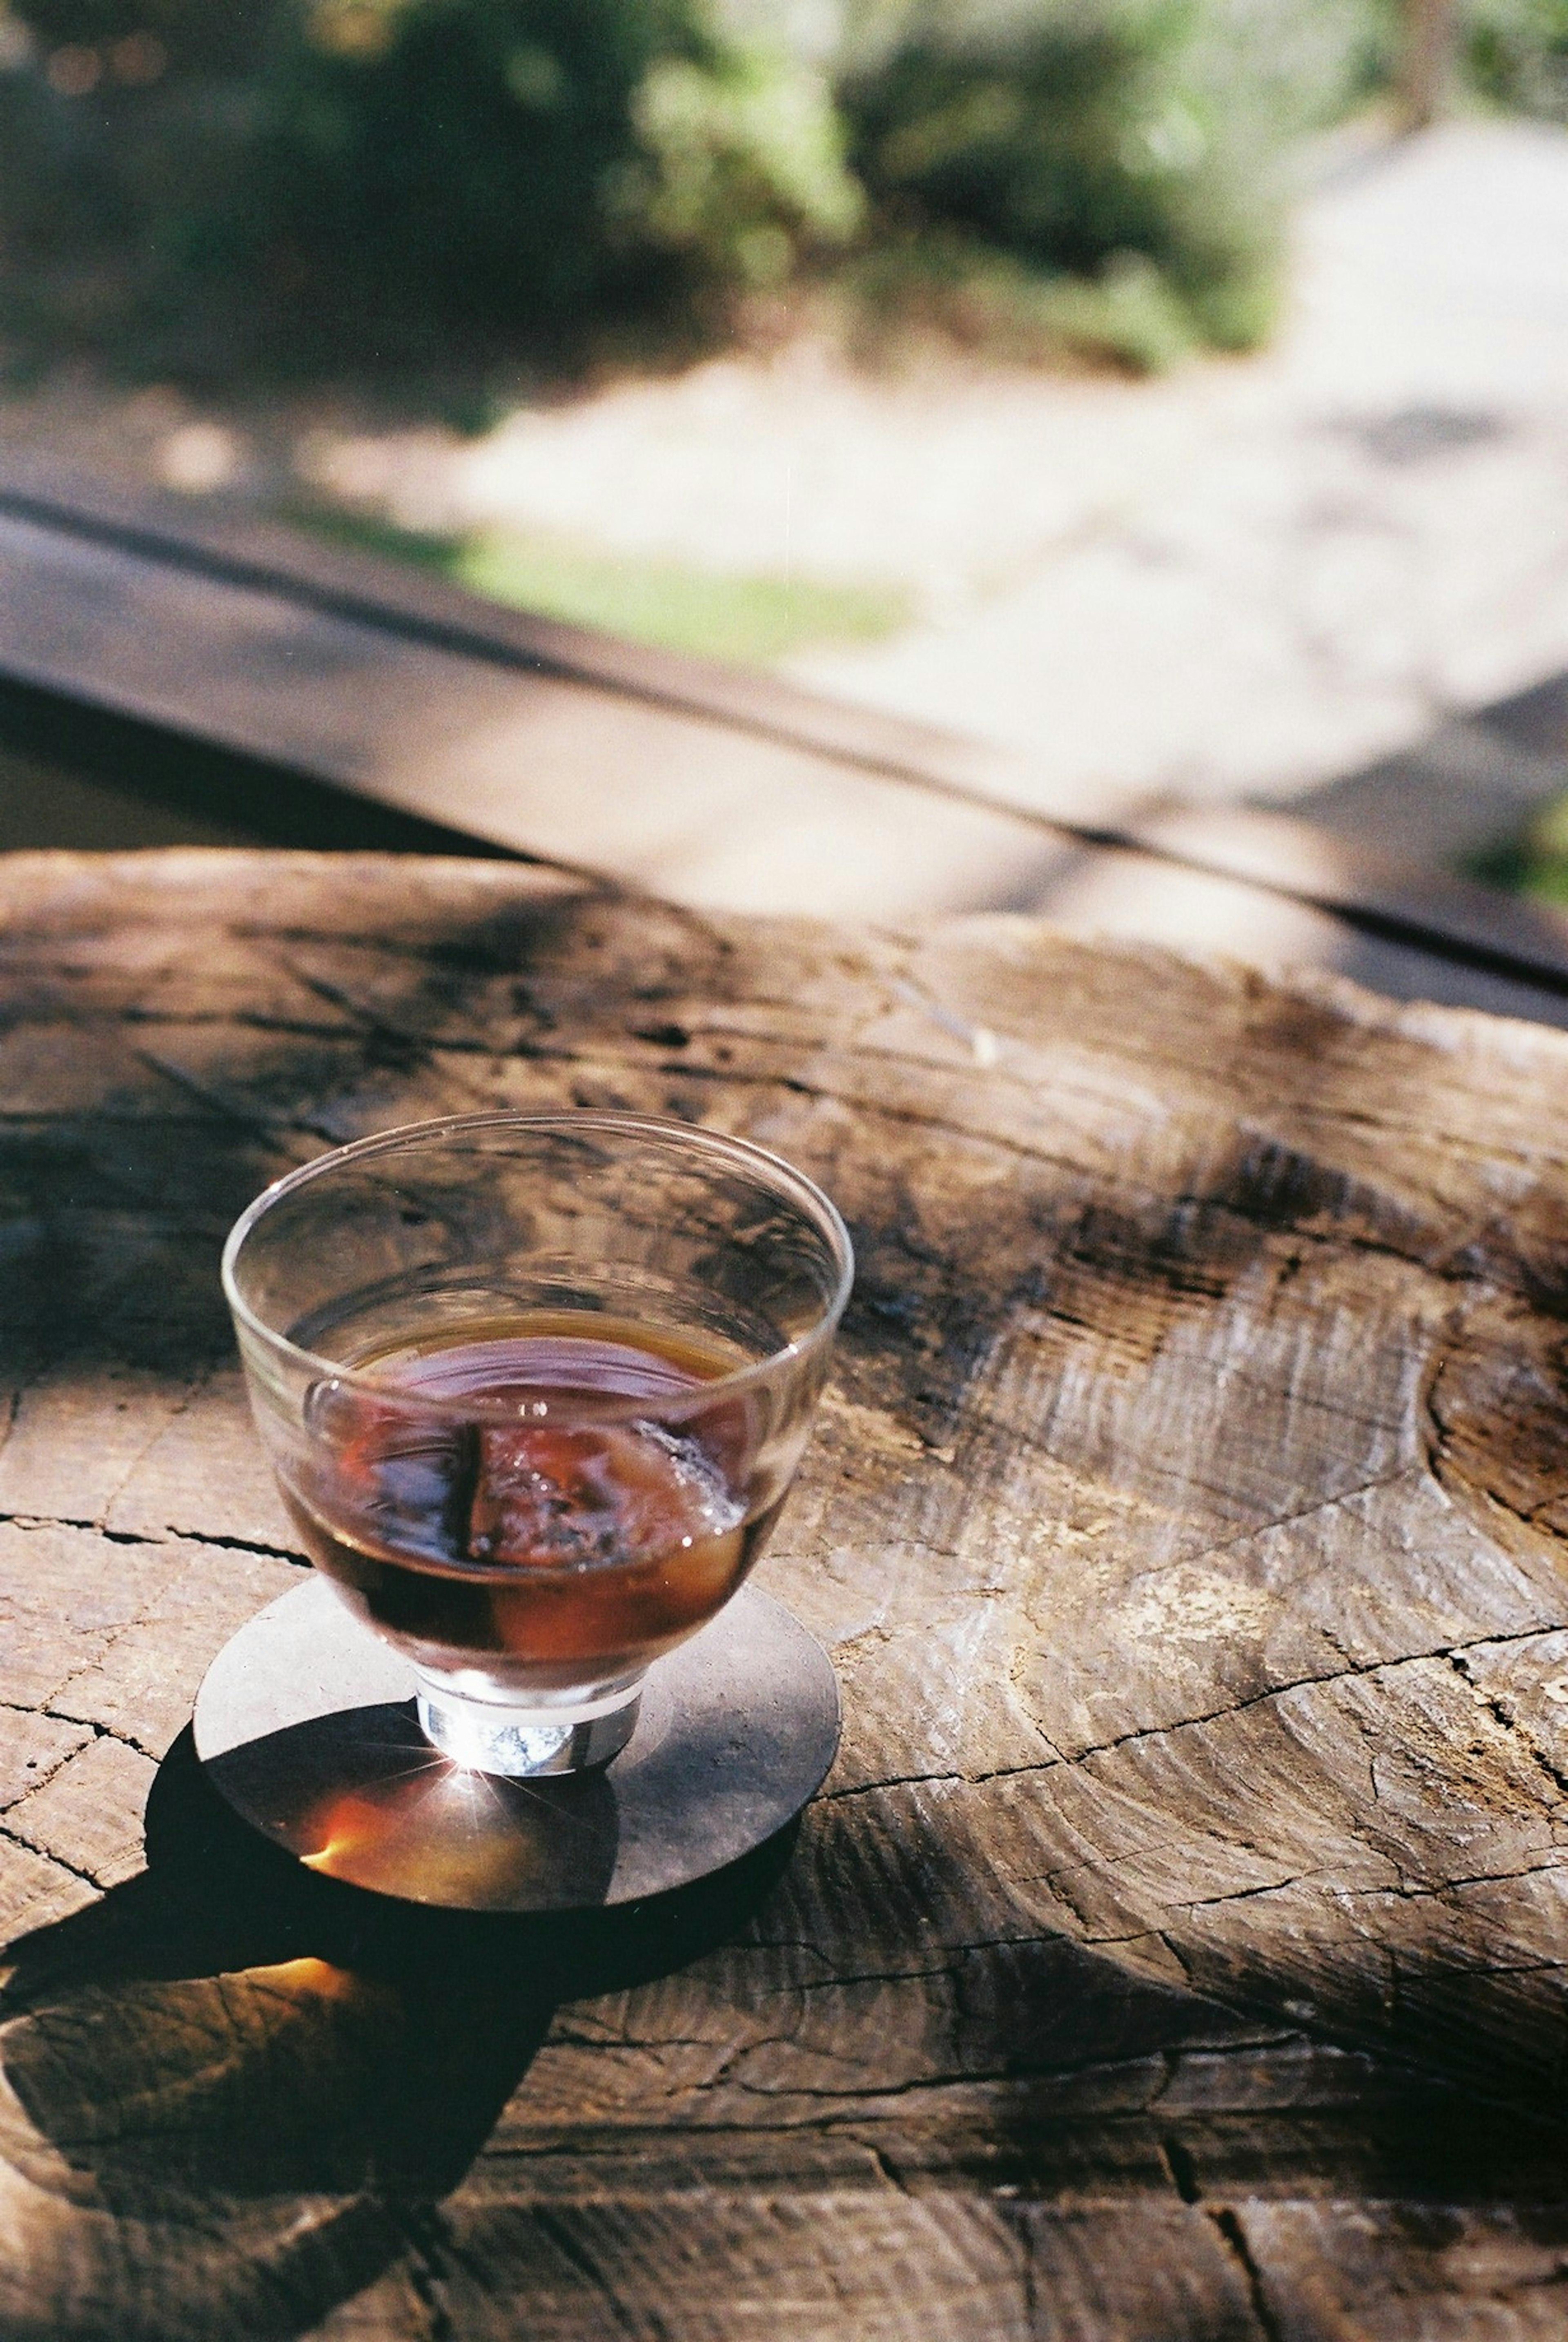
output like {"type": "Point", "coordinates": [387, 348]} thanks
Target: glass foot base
{"type": "Point", "coordinates": [306, 1726]}
{"type": "Point", "coordinates": [484, 1737]}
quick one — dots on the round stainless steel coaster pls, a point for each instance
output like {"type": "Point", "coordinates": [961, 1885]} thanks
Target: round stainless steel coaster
{"type": "Point", "coordinates": [306, 1723]}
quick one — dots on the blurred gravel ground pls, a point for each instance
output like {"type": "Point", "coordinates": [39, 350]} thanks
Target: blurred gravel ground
{"type": "Point", "coordinates": [1269, 573]}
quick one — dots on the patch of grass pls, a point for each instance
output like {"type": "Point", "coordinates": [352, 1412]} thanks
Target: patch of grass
{"type": "Point", "coordinates": [754, 618]}
{"type": "Point", "coordinates": [673, 604]}
{"type": "Point", "coordinates": [1533, 864]}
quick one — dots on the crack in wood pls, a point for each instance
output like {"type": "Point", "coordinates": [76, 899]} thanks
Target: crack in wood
{"type": "Point", "coordinates": [1502, 1714]}
{"type": "Point", "coordinates": [1078, 1758]}
{"type": "Point", "coordinates": [887, 2168]}
{"type": "Point", "coordinates": [1422, 1890]}
{"type": "Point", "coordinates": [1178, 2162]}
{"type": "Point", "coordinates": [1228, 2225]}
{"type": "Point", "coordinates": [169, 1541]}
{"type": "Point", "coordinates": [98, 1730]}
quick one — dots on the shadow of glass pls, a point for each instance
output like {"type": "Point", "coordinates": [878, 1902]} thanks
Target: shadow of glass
{"type": "Point", "coordinates": [414, 1825]}
{"type": "Point", "coordinates": [233, 2032]}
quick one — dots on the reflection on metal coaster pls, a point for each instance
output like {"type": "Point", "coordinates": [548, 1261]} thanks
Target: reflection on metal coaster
{"type": "Point", "coordinates": [306, 1725]}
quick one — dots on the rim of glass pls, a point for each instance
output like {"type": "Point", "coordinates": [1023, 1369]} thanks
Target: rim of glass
{"type": "Point", "coordinates": [770, 1169]}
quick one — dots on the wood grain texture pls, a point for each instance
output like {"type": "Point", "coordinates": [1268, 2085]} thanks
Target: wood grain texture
{"type": "Point", "coordinates": [1177, 1948]}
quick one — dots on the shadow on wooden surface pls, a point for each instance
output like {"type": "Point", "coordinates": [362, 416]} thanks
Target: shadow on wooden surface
{"type": "Point", "coordinates": [217, 1896]}
{"type": "Point", "coordinates": [82, 778]}
{"type": "Point", "coordinates": [264, 2082]}
{"type": "Point", "coordinates": [227, 2034]}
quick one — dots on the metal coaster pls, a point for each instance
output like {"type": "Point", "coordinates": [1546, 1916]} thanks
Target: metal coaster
{"type": "Point", "coordinates": [306, 1723]}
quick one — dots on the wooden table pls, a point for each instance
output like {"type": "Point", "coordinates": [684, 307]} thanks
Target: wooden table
{"type": "Point", "coordinates": [1177, 1950]}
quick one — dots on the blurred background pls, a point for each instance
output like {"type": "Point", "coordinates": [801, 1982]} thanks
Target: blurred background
{"type": "Point", "coordinates": [1172, 394]}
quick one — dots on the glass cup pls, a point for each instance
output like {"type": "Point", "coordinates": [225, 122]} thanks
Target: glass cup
{"type": "Point", "coordinates": [534, 1388]}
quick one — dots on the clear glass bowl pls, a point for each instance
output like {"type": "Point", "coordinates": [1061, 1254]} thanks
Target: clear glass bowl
{"type": "Point", "coordinates": [534, 1388]}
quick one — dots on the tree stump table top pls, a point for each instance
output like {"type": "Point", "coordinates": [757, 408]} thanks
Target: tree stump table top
{"type": "Point", "coordinates": [1177, 1949]}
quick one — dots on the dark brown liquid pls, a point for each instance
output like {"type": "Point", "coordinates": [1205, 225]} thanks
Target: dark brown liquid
{"type": "Point", "coordinates": [547, 1551]}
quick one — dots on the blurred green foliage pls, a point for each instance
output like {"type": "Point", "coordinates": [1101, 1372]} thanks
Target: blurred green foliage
{"type": "Point", "coordinates": [207, 186]}
{"type": "Point", "coordinates": [1516, 53]}
{"type": "Point", "coordinates": [360, 177]}
{"type": "Point", "coordinates": [528, 160]}
{"type": "Point", "coordinates": [1072, 137]}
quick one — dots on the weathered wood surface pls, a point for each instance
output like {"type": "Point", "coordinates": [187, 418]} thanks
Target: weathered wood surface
{"type": "Point", "coordinates": [1177, 1951]}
